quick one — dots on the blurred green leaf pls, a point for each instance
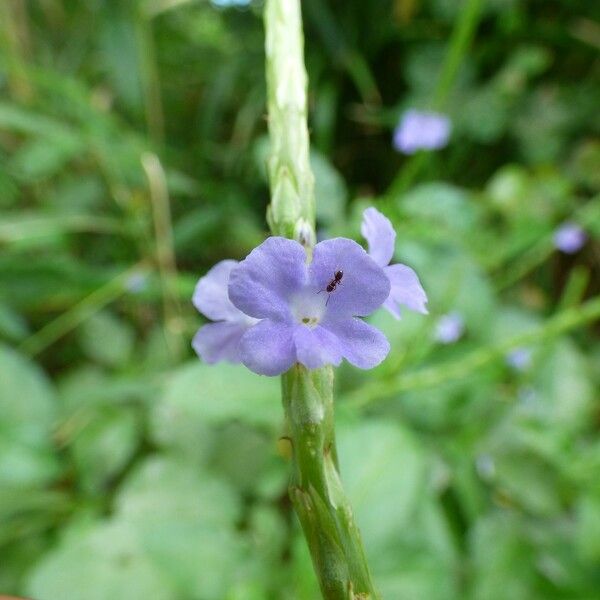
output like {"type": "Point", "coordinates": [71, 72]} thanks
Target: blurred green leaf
{"type": "Point", "coordinates": [102, 561]}
{"type": "Point", "coordinates": [383, 470]}
{"type": "Point", "coordinates": [184, 519]}
{"type": "Point", "coordinates": [164, 488]}
{"type": "Point", "coordinates": [588, 528]}
{"type": "Point", "coordinates": [107, 339]}
{"type": "Point", "coordinates": [199, 395]}
{"type": "Point", "coordinates": [330, 189]}
{"type": "Point", "coordinates": [566, 392]}
{"type": "Point", "coordinates": [503, 559]}
{"type": "Point", "coordinates": [43, 157]}
{"type": "Point", "coordinates": [27, 415]}
{"type": "Point", "coordinates": [441, 204]}
{"type": "Point", "coordinates": [13, 326]}
{"type": "Point", "coordinates": [104, 446]}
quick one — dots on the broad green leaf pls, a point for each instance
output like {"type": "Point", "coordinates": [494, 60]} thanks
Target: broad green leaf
{"type": "Point", "coordinates": [383, 470]}
{"type": "Point", "coordinates": [13, 326]}
{"type": "Point", "coordinates": [172, 489]}
{"type": "Point", "coordinates": [102, 562]}
{"type": "Point", "coordinates": [89, 387]}
{"type": "Point", "coordinates": [199, 395]}
{"type": "Point", "coordinates": [105, 445]}
{"type": "Point", "coordinates": [27, 399]}
{"type": "Point", "coordinates": [566, 392]}
{"type": "Point", "coordinates": [422, 564]}
{"type": "Point", "coordinates": [25, 463]}
{"type": "Point", "coordinates": [185, 520]}
{"type": "Point", "coordinates": [45, 157]}
{"type": "Point", "coordinates": [27, 415]}
{"type": "Point", "coordinates": [441, 204]}
{"type": "Point", "coordinates": [107, 339]}
{"type": "Point", "coordinates": [502, 559]}
{"type": "Point", "coordinates": [246, 457]}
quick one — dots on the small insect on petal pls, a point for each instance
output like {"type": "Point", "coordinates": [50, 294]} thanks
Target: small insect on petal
{"type": "Point", "coordinates": [335, 281]}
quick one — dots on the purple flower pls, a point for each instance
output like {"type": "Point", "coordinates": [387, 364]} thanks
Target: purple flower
{"type": "Point", "coordinates": [301, 321]}
{"type": "Point", "coordinates": [449, 328]}
{"type": "Point", "coordinates": [569, 237]}
{"type": "Point", "coordinates": [421, 130]}
{"type": "Point", "coordinates": [519, 358]}
{"type": "Point", "coordinates": [219, 341]}
{"type": "Point", "coordinates": [405, 287]}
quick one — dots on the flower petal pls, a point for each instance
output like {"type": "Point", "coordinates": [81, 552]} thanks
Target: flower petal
{"type": "Point", "coordinates": [406, 289]}
{"type": "Point", "coordinates": [380, 235]}
{"type": "Point", "coordinates": [316, 347]}
{"type": "Point", "coordinates": [210, 296]}
{"type": "Point", "coordinates": [262, 283]}
{"type": "Point", "coordinates": [362, 345]}
{"type": "Point", "coordinates": [363, 287]}
{"type": "Point", "coordinates": [218, 342]}
{"type": "Point", "coordinates": [268, 347]}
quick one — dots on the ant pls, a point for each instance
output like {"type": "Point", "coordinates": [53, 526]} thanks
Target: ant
{"type": "Point", "coordinates": [337, 280]}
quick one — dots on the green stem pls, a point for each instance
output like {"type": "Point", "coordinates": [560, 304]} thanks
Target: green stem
{"type": "Point", "coordinates": [77, 314]}
{"type": "Point", "coordinates": [15, 44]}
{"type": "Point", "coordinates": [292, 208]}
{"type": "Point", "coordinates": [462, 35]}
{"type": "Point", "coordinates": [165, 249]}
{"type": "Point", "coordinates": [315, 488]}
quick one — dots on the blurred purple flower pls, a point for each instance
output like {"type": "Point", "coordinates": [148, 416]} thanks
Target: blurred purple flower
{"type": "Point", "coordinates": [486, 466]}
{"type": "Point", "coordinates": [569, 237]}
{"type": "Point", "coordinates": [405, 287]}
{"type": "Point", "coordinates": [421, 130]}
{"type": "Point", "coordinates": [226, 3]}
{"type": "Point", "coordinates": [449, 328]}
{"type": "Point", "coordinates": [300, 320]}
{"type": "Point", "coordinates": [520, 358]}
{"type": "Point", "coordinates": [219, 341]}
{"type": "Point", "coordinates": [137, 282]}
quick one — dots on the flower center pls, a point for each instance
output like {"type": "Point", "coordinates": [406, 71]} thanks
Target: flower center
{"type": "Point", "coordinates": [308, 307]}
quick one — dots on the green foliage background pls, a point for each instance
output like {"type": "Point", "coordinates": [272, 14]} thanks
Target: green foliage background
{"type": "Point", "coordinates": [132, 150]}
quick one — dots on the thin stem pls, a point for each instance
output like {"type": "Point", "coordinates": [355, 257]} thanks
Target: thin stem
{"type": "Point", "coordinates": [462, 35]}
{"type": "Point", "coordinates": [341, 51]}
{"type": "Point", "coordinates": [79, 313]}
{"type": "Point", "coordinates": [290, 176]}
{"type": "Point", "coordinates": [150, 78]}
{"type": "Point", "coordinates": [165, 252]}
{"type": "Point", "coordinates": [316, 489]}
{"type": "Point", "coordinates": [17, 230]}
{"type": "Point", "coordinates": [15, 41]}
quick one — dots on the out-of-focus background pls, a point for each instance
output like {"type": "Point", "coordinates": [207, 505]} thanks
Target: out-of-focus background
{"type": "Point", "coordinates": [132, 158]}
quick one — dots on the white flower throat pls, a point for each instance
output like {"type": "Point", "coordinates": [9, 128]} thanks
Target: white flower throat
{"type": "Point", "coordinates": [308, 307]}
